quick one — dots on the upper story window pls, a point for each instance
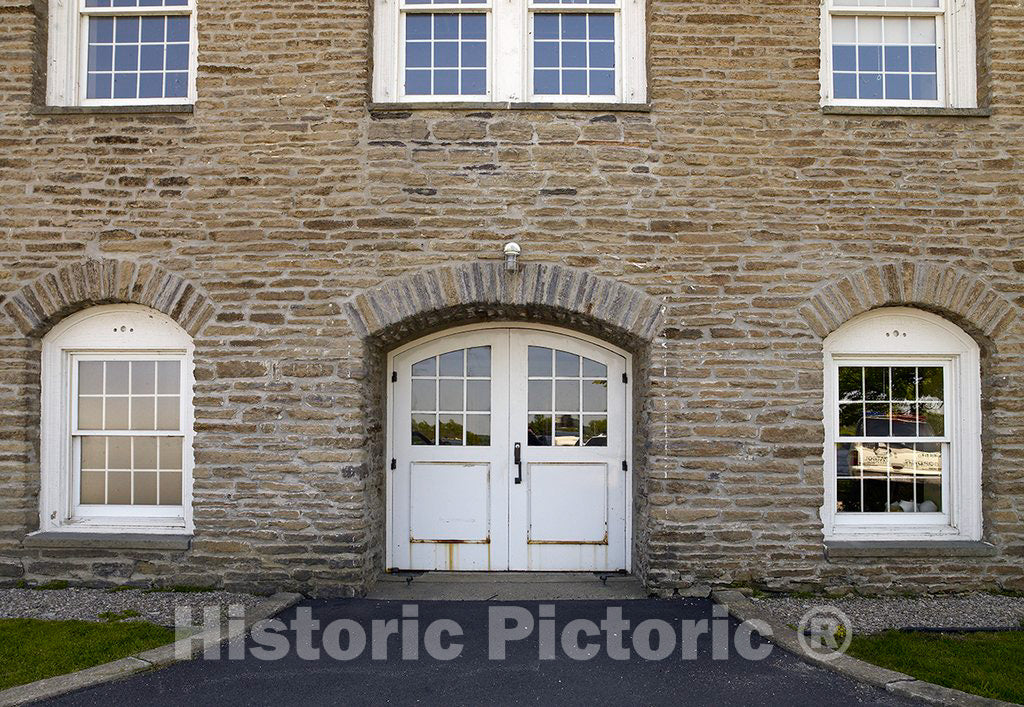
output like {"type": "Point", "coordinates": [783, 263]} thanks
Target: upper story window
{"type": "Point", "coordinates": [522, 50]}
{"type": "Point", "coordinates": [899, 53]}
{"type": "Point", "coordinates": [121, 52]}
{"type": "Point", "coordinates": [902, 429]}
{"type": "Point", "coordinates": [116, 422]}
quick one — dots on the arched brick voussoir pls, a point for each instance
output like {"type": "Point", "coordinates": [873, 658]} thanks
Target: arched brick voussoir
{"type": "Point", "coordinates": [36, 307]}
{"type": "Point", "coordinates": [482, 286]}
{"type": "Point", "coordinates": [965, 297]}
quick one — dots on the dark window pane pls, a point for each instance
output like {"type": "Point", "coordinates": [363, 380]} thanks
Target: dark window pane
{"type": "Point", "coordinates": [904, 420]}
{"type": "Point", "coordinates": [176, 85]}
{"type": "Point", "coordinates": [876, 420]}
{"type": "Point", "coordinates": [446, 82]}
{"type": "Point", "coordinates": [876, 496]}
{"type": "Point", "coordinates": [851, 420]}
{"type": "Point", "coordinates": [417, 83]}
{"type": "Point", "coordinates": [904, 383]}
{"type": "Point", "coordinates": [851, 382]}
{"type": "Point", "coordinates": [153, 29]}
{"type": "Point", "coordinates": [930, 384]}
{"type": "Point", "coordinates": [417, 26]}
{"type": "Point", "coordinates": [101, 30]}
{"type": "Point", "coordinates": [869, 58]}
{"type": "Point", "coordinates": [474, 27]}
{"type": "Point", "coordinates": [602, 83]}
{"type": "Point", "coordinates": [844, 58]}
{"type": "Point", "coordinates": [897, 59]}
{"type": "Point", "coordinates": [545, 82]}
{"type": "Point", "coordinates": [545, 26]}
{"type": "Point", "coordinates": [574, 83]}
{"type": "Point", "coordinates": [539, 431]}
{"type": "Point", "coordinates": [177, 29]}
{"type": "Point", "coordinates": [922, 59]}
{"type": "Point", "coordinates": [923, 87]}
{"type": "Point", "coordinates": [933, 420]}
{"type": "Point", "coordinates": [848, 496]}
{"type": "Point", "coordinates": [595, 431]}
{"type": "Point", "coordinates": [474, 81]}
{"type": "Point", "coordinates": [876, 383]}
{"type": "Point", "coordinates": [869, 85]}
{"type": "Point", "coordinates": [847, 464]}
{"type": "Point", "coordinates": [844, 85]}
{"type": "Point", "coordinates": [897, 87]}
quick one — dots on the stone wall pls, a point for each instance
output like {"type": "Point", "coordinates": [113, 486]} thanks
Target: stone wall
{"type": "Point", "coordinates": [283, 202]}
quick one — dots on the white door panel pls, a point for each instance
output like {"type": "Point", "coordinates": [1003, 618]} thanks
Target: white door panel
{"type": "Point", "coordinates": [457, 498]}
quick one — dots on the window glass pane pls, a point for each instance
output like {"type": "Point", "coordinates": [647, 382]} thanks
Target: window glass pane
{"type": "Point", "coordinates": [167, 408]}
{"type": "Point", "coordinates": [574, 54]}
{"type": "Point", "coordinates": [539, 431]}
{"type": "Point", "coordinates": [170, 452]}
{"type": "Point", "coordinates": [567, 430]}
{"type": "Point", "coordinates": [539, 395]}
{"type": "Point", "coordinates": [851, 419]}
{"type": "Point", "coordinates": [478, 395]}
{"type": "Point", "coordinates": [851, 383]}
{"type": "Point", "coordinates": [94, 487]}
{"type": "Point", "coordinates": [450, 429]}
{"type": "Point", "coordinates": [445, 54]}
{"type": "Point", "coordinates": [450, 395]}
{"type": "Point", "coordinates": [595, 396]}
{"type": "Point", "coordinates": [567, 364]}
{"type": "Point", "coordinates": [932, 420]}
{"type": "Point", "coordinates": [145, 488]}
{"type": "Point", "coordinates": [170, 488]}
{"type": "Point", "coordinates": [426, 367]}
{"type": "Point", "coordinates": [930, 384]}
{"type": "Point", "coordinates": [137, 57]}
{"type": "Point", "coordinates": [144, 453]}
{"type": "Point", "coordinates": [595, 431]}
{"type": "Point", "coordinates": [90, 377]}
{"type": "Point", "coordinates": [478, 361]}
{"type": "Point", "coordinates": [94, 452]}
{"type": "Point", "coordinates": [90, 413]}
{"type": "Point", "coordinates": [143, 413]}
{"type": "Point", "coordinates": [117, 378]}
{"type": "Point", "coordinates": [424, 394]}
{"type": "Point", "coordinates": [423, 430]}
{"type": "Point", "coordinates": [143, 377]}
{"type": "Point", "coordinates": [593, 369]}
{"type": "Point", "coordinates": [478, 430]}
{"type": "Point", "coordinates": [538, 361]}
{"type": "Point", "coordinates": [567, 395]}
{"type": "Point", "coordinates": [119, 452]}
{"type": "Point", "coordinates": [451, 364]}
{"type": "Point", "coordinates": [119, 487]}
{"type": "Point", "coordinates": [892, 58]}
{"type": "Point", "coordinates": [168, 377]}
{"type": "Point", "coordinates": [116, 413]}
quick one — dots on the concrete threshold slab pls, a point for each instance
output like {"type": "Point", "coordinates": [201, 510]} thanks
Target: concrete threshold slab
{"type": "Point", "coordinates": [505, 586]}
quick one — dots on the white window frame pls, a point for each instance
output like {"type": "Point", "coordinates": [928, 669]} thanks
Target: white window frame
{"type": "Point", "coordinates": [107, 332]}
{"type": "Point", "coordinates": [956, 53]}
{"type": "Point", "coordinates": [904, 336]}
{"type": "Point", "coordinates": [511, 50]}
{"type": "Point", "coordinates": [68, 46]}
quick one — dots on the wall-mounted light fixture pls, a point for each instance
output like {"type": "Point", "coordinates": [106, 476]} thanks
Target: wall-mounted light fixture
{"type": "Point", "coordinates": [512, 251]}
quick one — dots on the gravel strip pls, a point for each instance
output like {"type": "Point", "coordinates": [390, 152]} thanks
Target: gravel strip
{"type": "Point", "coordinates": [872, 615]}
{"type": "Point", "coordinates": [88, 604]}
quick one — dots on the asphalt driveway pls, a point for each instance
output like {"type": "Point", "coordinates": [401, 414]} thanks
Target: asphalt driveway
{"type": "Point", "coordinates": [354, 677]}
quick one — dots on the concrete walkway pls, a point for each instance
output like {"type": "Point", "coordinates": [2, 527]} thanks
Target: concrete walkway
{"type": "Point", "coordinates": [526, 675]}
{"type": "Point", "coordinates": [506, 586]}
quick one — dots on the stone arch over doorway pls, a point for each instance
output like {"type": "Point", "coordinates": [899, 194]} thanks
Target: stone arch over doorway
{"type": "Point", "coordinates": [406, 308]}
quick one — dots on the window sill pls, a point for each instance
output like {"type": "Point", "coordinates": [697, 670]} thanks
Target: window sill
{"type": "Point", "coordinates": [61, 539]}
{"type": "Point", "coordinates": [906, 549]}
{"type": "Point", "coordinates": [908, 111]}
{"type": "Point", "coordinates": [98, 110]}
{"type": "Point", "coordinates": [490, 105]}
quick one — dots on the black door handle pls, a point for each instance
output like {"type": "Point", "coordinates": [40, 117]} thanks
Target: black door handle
{"type": "Point", "coordinates": [518, 457]}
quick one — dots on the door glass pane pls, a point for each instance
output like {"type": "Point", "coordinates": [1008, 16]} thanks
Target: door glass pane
{"type": "Point", "coordinates": [538, 361]}
{"type": "Point", "coordinates": [539, 395]}
{"type": "Point", "coordinates": [478, 430]}
{"type": "Point", "coordinates": [595, 431]}
{"type": "Point", "coordinates": [567, 396]}
{"type": "Point", "coordinates": [441, 395]}
{"type": "Point", "coordinates": [450, 429]}
{"type": "Point", "coordinates": [567, 430]}
{"type": "Point", "coordinates": [539, 431]}
{"type": "Point", "coordinates": [595, 396]}
{"type": "Point", "coordinates": [451, 364]}
{"type": "Point", "coordinates": [424, 394]}
{"type": "Point", "coordinates": [423, 429]}
{"type": "Point", "coordinates": [567, 364]}
{"type": "Point", "coordinates": [593, 369]}
{"type": "Point", "coordinates": [478, 362]}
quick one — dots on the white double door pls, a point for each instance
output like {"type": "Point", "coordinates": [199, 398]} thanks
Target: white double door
{"type": "Point", "coordinates": [508, 453]}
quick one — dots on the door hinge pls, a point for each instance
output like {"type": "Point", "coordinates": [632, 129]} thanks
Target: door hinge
{"type": "Point", "coordinates": [394, 463]}
{"type": "Point", "coordinates": [394, 376]}
{"type": "Point", "coordinates": [625, 465]}
{"type": "Point", "coordinates": [625, 378]}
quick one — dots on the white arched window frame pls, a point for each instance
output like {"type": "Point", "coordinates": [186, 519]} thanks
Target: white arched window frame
{"type": "Point", "coordinates": [139, 340]}
{"type": "Point", "coordinates": [906, 338]}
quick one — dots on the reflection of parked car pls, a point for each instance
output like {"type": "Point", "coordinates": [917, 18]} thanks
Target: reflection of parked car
{"type": "Point", "coordinates": [597, 441]}
{"type": "Point", "coordinates": [875, 458]}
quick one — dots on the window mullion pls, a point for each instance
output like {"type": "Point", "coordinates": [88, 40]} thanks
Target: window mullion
{"type": "Point", "coordinates": [506, 51]}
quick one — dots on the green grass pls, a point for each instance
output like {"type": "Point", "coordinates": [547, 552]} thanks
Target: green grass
{"type": "Point", "coordinates": [986, 664]}
{"type": "Point", "coordinates": [32, 649]}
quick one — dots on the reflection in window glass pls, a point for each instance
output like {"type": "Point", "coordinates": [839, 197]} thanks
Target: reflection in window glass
{"type": "Point", "coordinates": [561, 385]}
{"type": "Point", "coordinates": [894, 462]}
{"type": "Point", "coordinates": [451, 399]}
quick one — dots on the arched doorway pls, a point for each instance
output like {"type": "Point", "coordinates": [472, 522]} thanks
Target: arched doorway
{"type": "Point", "coordinates": [508, 449]}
